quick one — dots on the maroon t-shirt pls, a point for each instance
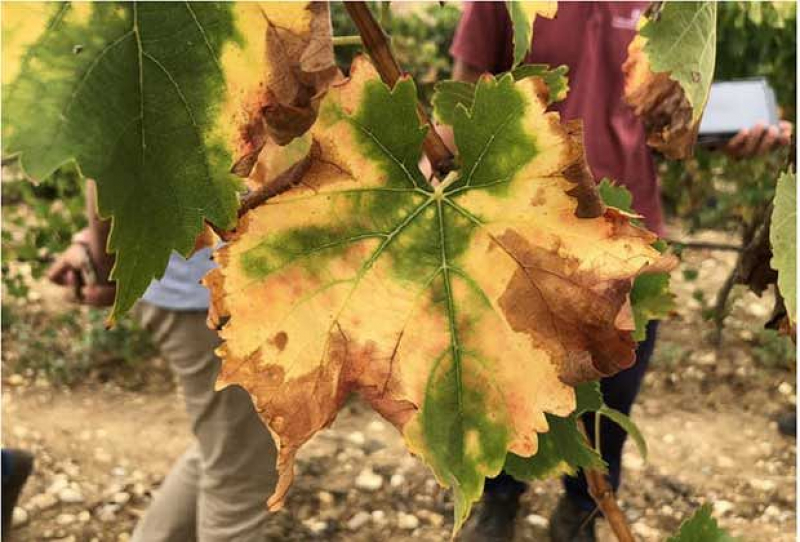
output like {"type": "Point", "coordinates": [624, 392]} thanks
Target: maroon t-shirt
{"type": "Point", "coordinates": [592, 39]}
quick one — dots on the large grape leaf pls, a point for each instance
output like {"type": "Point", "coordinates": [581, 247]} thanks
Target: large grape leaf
{"type": "Point", "coordinates": [463, 314]}
{"type": "Point", "coordinates": [669, 71]}
{"type": "Point", "coordinates": [156, 102]}
{"type": "Point", "coordinates": [783, 238]}
{"type": "Point", "coordinates": [523, 14]}
{"type": "Point", "coordinates": [701, 527]}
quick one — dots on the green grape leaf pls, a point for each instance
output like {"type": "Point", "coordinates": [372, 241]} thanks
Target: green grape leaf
{"type": "Point", "coordinates": [701, 527]}
{"type": "Point", "coordinates": [462, 313]}
{"type": "Point", "coordinates": [523, 15]}
{"type": "Point", "coordinates": [556, 79]}
{"type": "Point", "coordinates": [783, 238]}
{"type": "Point", "coordinates": [563, 449]}
{"type": "Point", "coordinates": [669, 71]}
{"type": "Point", "coordinates": [149, 99]}
{"type": "Point", "coordinates": [651, 298]}
{"type": "Point", "coordinates": [449, 94]}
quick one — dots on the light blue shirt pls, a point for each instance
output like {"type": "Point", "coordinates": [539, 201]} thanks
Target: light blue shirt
{"type": "Point", "coordinates": [180, 288]}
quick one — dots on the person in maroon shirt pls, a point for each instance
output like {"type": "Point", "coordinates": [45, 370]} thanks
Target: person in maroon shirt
{"type": "Point", "coordinates": [592, 39]}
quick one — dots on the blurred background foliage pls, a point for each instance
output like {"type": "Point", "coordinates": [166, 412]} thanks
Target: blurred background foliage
{"type": "Point", "coordinates": [710, 190]}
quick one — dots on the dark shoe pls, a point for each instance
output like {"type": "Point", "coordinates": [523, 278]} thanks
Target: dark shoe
{"type": "Point", "coordinates": [570, 523]}
{"type": "Point", "coordinates": [787, 424]}
{"type": "Point", "coordinates": [17, 466]}
{"type": "Point", "coordinates": [493, 520]}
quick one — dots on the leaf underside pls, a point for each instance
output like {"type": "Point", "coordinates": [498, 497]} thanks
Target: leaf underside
{"type": "Point", "coordinates": [362, 278]}
{"type": "Point", "coordinates": [669, 71]}
{"type": "Point", "coordinates": [523, 15]}
{"type": "Point", "coordinates": [783, 238]}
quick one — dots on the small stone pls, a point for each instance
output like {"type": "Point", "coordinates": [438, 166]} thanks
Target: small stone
{"type": "Point", "coordinates": [121, 497]}
{"type": "Point", "coordinates": [707, 358]}
{"type": "Point", "coordinates": [326, 498]}
{"type": "Point", "coordinates": [359, 520]}
{"type": "Point", "coordinates": [407, 521]}
{"type": "Point", "coordinates": [436, 520]}
{"type": "Point", "coordinates": [378, 517]}
{"type": "Point", "coordinates": [139, 489]}
{"type": "Point", "coordinates": [645, 531]}
{"type": "Point", "coordinates": [65, 519]}
{"type": "Point", "coordinates": [119, 471]}
{"type": "Point", "coordinates": [722, 507]}
{"type": "Point", "coordinates": [785, 388]}
{"type": "Point", "coordinates": [357, 438]}
{"type": "Point", "coordinates": [772, 511]}
{"type": "Point", "coordinates": [15, 380]}
{"type": "Point", "coordinates": [376, 426]}
{"type": "Point", "coordinates": [84, 516]}
{"type": "Point", "coordinates": [43, 501]}
{"type": "Point", "coordinates": [537, 521]}
{"type": "Point", "coordinates": [397, 480]}
{"type": "Point", "coordinates": [669, 438]}
{"type": "Point", "coordinates": [763, 485]}
{"type": "Point", "coordinates": [123, 537]}
{"type": "Point", "coordinates": [19, 517]}
{"type": "Point", "coordinates": [70, 495]}
{"type": "Point", "coordinates": [316, 526]}
{"type": "Point", "coordinates": [369, 480]}
{"type": "Point", "coordinates": [59, 484]}
{"type": "Point", "coordinates": [108, 513]}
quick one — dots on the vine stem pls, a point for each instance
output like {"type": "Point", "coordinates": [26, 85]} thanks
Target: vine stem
{"type": "Point", "coordinates": [603, 496]}
{"type": "Point", "coordinates": [377, 45]}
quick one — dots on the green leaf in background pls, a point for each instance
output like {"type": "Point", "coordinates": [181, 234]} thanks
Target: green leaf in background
{"type": "Point", "coordinates": [626, 423]}
{"type": "Point", "coordinates": [523, 15]}
{"type": "Point", "coordinates": [114, 87]}
{"type": "Point", "coordinates": [783, 237]}
{"type": "Point", "coordinates": [701, 527]}
{"type": "Point", "coordinates": [651, 297]}
{"type": "Point", "coordinates": [449, 94]}
{"type": "Point", "coordinates": [682, 41]}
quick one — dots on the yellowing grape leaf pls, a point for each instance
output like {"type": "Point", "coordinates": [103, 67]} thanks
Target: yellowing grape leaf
{"type": "Point", "coordinates": [463, 314]}
{"type": "Point", "coordinates": [156, 102]}
{"type": "Point", "coordinates": [523, 14]}
{"type": "Point", "coordinates": [669, 71]}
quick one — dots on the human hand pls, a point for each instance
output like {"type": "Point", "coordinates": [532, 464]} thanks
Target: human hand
{"type": "Point", "coordinates": [760, 140]}
{"type": "Point", "coordinates": [74, 269]}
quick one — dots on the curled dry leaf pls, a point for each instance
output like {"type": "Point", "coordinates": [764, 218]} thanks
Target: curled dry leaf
{"type": "Point", "coordinates": [668, 74]}
{"type": "Point", "coordinates": [297, 66]}
{"type": "Point", "coordinates": [463, 314]}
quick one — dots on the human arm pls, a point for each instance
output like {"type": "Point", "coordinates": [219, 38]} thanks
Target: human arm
{"type": "Point", "coordinates": [85, 265]}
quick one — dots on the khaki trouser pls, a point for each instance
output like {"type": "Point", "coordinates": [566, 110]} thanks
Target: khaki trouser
{"type": "Point", "coordinates": [217, 490]}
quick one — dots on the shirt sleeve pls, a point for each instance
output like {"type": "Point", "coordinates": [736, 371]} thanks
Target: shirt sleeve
{"type": "Point", "coordinates": [483, 38]}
